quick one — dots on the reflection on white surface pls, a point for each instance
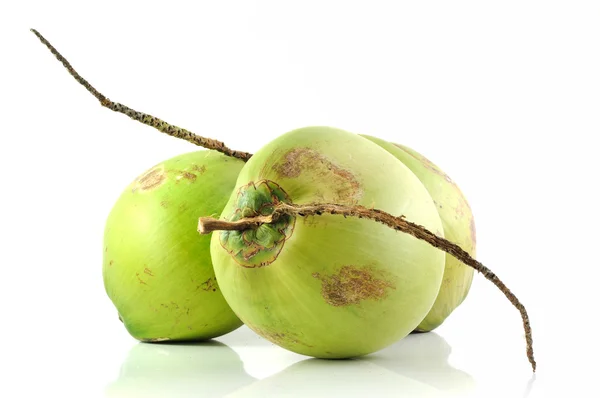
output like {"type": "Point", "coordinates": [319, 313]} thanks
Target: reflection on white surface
{"type": "Point", "coordinates": [417, 366]}
{"type": "Point", "coordinates": [424, 357]}
{"type": "Point", "coordinates": [209, 369]}
{"type": "Point", "coordinates": [336, 378]}
{"type": "Point", "coordinates": [529, 386]}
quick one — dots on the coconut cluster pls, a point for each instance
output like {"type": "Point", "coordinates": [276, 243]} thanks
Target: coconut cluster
{"type": "Point", "coordinates": [305, 247]}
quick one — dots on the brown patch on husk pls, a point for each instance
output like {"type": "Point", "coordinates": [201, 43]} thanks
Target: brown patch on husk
{"type": "Point", "coordinates": [151, 179]}
{"type": "Point", "coordinates": [279, 338]}
{"type": "Point", "coordinates": [199, 169]}
{"type": "Point", "coordinates": [345, 185]}
{"type": "Point", "coordinates": [209, 285]}
{"type": "Point", "coordinates": [351, 285]}
{"type": "Point", "coordinates": [427, 163]}
{"type": "Point", "coordinates": [188, 176]}
{"type": "Point", "coordinates": [140, 280]}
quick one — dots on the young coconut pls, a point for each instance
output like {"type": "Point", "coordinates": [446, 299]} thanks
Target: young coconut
{"type": "Point", "coordinates": [284, 214]}
{"type": "Point", "coordinates": [328, 287]}
{"type": "Point", "coordinates": [324, 169]}
{"type": "Point", "coordinates": [459, 227]}
{"type": "Point", "coordinates": [157, 270]}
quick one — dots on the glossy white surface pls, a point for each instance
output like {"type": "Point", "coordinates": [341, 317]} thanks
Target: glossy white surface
{"type": "Point", "coordinates": [502, 95]}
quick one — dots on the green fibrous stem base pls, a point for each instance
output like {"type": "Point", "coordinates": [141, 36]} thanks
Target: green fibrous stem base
{"type": "Point", "coordinates": [257, 247]}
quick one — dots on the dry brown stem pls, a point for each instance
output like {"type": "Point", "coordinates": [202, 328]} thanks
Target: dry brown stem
{"type": "Point", "coordinates": [208, 224]}
{"type": "Point", "coordinates": [145, 118]}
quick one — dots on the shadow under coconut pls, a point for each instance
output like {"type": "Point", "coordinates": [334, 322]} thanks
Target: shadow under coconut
{"type": "Point", "coordinates": [207, 369]}
{"type": "Point", "coordinates": [424, 357]}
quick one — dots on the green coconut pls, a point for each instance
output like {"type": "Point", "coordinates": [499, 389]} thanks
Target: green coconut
{"type": "Point", "coordinates": [459, 227]}
{"type": "Point", "coordinates": [328, 286]}
{"type": "Point", "coordinates": [157, 270]}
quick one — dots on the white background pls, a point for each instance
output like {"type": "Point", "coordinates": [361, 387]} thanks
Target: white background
{"type": "Point", "coordinates": [504, 96]}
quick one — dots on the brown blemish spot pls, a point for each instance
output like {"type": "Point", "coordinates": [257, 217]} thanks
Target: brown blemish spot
{"type": "Point", "coordinates": [209, 285]}
{"type": "Point", "coordinates": [164, 204]}
{"type": "Point", "coordinates": [188, 176]}
{"type": "Point", "coordinates": [150, 179]}
{"type": "Point", "coordinates": [346, 187]}
{"type": "Point", "coordinates": [147, 271]}
{"type": "Point", "coordinates": [351, 285]}
{"type": "Point", "coordinates": [137, 274]}
{"type": "Point", "coordinates": [310, 221]}
{"type": "Point", "coordinates": [294, 162]}
{"type": "Point", "coordinates": [111, 262]}
{"type": "Point", "coordinates": [269, 163]}
{"type": "Point", "coordinates": [199, 169]}
{"type": "Point", "coordinates": [279, 338]}
{"type": "Point", "coordinates": [428, 164]}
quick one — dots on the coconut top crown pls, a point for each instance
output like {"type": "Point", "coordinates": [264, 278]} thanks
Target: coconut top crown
{"type": "Point", "coordinates": [258, 247]}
